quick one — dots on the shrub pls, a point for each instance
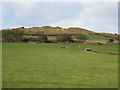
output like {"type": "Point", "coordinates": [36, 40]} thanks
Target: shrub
{"type": "Point", "coordinates": [39, 33]}
{"type": "Point", "coordinates": [42, 38]}
{"type": "Point", "coordinates": [29, 40]}
{"type": "Point", "coordinates": [66, 38]}
{"type": "Point", "coordinates": [7, 36]}
{"type": "Point", "coordinates": [12, 35]}
{"type": "Point", "coordinates": [32, 39]}
{"type": "Point", "coordinates": [110, 40]}
{"type": "Point", "coordinates": [17, 34]}
{"type": "Point", "coordinates": [81, 37]}
{"type": "Point", "coordinates": [25, 40]}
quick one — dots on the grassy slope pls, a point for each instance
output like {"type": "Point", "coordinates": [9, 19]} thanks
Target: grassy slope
{"type": "Point", "coordinates": [90, 37]}
{"type": "Point", "coordinates": [48, 65]}
{"type": "Point", "coordinates": [98, 38]}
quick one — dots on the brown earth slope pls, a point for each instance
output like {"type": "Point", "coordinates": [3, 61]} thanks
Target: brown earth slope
{"type": "Point", "coordinates": [48, 30]}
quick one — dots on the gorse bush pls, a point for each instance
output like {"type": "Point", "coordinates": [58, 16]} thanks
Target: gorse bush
{"type": "Point", "coordinates": [81, 37]}
{"type": "Point", "coordinates": [39, 33]}
{"type": "Point", "coordinates": [65, 38]}
{"type": "Point", "coordinates": [7, 36]}
{"type": "Point", "coordinates": [42, 38]}
{"type": "Point", "coordinates": [111, 40]}
{"type": "Point", "coordinates": [25, 40]}
{"type": "Point", "coordinates": [18, 35]}
{"type": "Point", "coordinates": [10, 36]}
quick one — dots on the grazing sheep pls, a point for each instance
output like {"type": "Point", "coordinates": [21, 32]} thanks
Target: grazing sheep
{"type": "Point", "coordinates": [34, 42]}
{"type": "Point", "coordinates": [88, 49]}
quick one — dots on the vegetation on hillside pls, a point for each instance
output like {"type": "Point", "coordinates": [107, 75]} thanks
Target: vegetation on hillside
{"type": "Point", "coordinates": [58, 34]}
{"type": "Point", "coordinates": [81, 37]}
{"type": "Point", "coordinates": [66, 38]}
{"type": "Point", "coordinates": [11, 36]}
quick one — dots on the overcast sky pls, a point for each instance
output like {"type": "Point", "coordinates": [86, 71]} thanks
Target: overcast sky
{"type": "Point", "coordinates": [95, 16]}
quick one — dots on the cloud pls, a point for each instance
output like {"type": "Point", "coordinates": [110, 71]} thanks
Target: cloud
{"type": "Point", "coordinates": [60, 0]}
{"type": "Point", "coordinates": [100, 17]}
{"type": "Point", "coordinates": [41, 13]}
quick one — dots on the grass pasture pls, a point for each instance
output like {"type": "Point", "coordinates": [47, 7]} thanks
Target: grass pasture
{"type": "Point", "coordinates": [99, 38]}
{"type": "Point", "coordinates": [90, 37]}
{"type": "Point", "coordinates": [47, 65]}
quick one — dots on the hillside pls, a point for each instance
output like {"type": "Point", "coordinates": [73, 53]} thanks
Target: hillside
{"type": "Point", "coordinates": [48, 30]}
{"type": "Point", "coordinates": [53, 31]}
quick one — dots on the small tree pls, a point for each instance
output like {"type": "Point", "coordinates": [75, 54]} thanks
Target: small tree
{"type": "Point", "coordinates": [81, 37]}
{"type": "Point", "coordinates": [65, 38]}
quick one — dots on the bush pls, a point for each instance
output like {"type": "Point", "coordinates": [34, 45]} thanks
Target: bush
{"type": "Point", "coordinates": [66, 38]}
{"type": "Point", "coordinates": [12, 35]}
{"type": "Point", "coordinates": [39, 33]}
{"type": "Point", "coordinates": [17, 34]}
{"type": "Point", "coordinates": [29, 40]}
{"type": "Point", "coordinates": [42, 38]}
{"type": "Point", "coordinates": [110, 40]}
{"type": "Point", "coordinates": [81, 37]}
{"type": "Point", "coordinates": [7, 36]}
{"type": "Point", "coordinates": [32, 39]}
{"type": "Point", "coordinates": [25, 40]}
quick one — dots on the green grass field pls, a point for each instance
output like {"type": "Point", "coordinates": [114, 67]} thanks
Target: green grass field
{"type": "Point", "coordinates": [98, 38]}
{"type": "Point", "coordinates": [92, 37]}
{"type": "Point", "coordinates": [27, 65]}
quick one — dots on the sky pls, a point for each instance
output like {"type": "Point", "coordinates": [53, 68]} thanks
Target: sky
{"type": "Point", "coordinates": [94, 16]}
